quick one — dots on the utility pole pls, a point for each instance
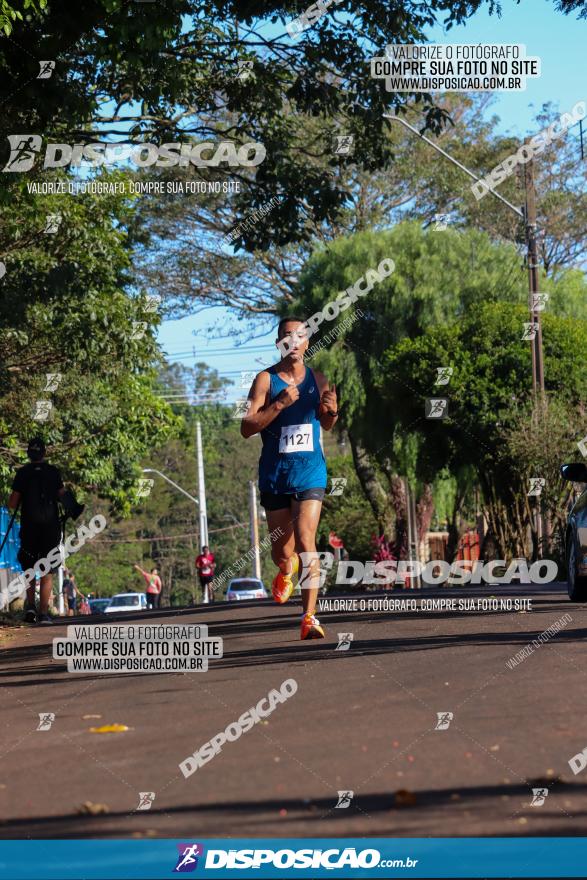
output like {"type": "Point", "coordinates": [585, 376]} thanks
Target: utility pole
{"type": "Point", "coordinates": [537, 355]}
{"type": "Point", "coordinates": [533, 266]}
{"type": "Point", "coordinates": [413, 550]}
{"type": "Point", "coordinates": [529, 217]}
{"type": "Point", "coordinates": [60, 578]}
{"type": "Point", "coordinates": [183, 492]}
{"type": "Point", "coordinates": [201, 489]}
{"type": "Point", "coordinates": [254, 529]}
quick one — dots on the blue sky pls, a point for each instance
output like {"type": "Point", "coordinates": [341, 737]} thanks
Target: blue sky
{"type": "Point", "coordinates": [560, 43]}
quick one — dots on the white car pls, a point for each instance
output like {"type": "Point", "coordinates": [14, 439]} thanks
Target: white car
{"type": "Point", "coordinates": [246, 588]}
{"type": "Point", "coordinates": [127, 602]}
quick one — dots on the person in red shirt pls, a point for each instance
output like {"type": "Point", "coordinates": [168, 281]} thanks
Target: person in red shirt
{"type": "Point", "coordinates": [206, 564]}
{"type": "Point", "coordinates": [154, 586]}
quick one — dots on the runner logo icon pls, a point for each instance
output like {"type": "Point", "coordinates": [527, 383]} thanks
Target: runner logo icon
{"type": "Point", "coordinates": [187, 859]}
{"type": "Point", "coordinates": [344, 641]}
{"type": "Point", "coordinates": [23, 151]}
{"type": "Point", "coordinates": [436, 408]}
{"type": "Point", "coordinates": [146, 799]}
{"type": "Point", "coordinates": [539, 795]}
{"type": "Point", "coordinates": [46, 719]}
{"type": "Point", "coordinates": [344, 800]}
{"type": "Point", "coordinates": [444, 719]}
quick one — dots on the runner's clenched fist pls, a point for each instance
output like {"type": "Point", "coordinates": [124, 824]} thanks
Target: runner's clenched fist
{"type": "Point", "coordinates": [328, 401]}
{"type": "Point", "coordinates": [289, 395]}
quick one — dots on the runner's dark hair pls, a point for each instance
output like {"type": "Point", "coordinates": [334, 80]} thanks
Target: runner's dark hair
{"type": "Point", "coordinates": [285, 320]}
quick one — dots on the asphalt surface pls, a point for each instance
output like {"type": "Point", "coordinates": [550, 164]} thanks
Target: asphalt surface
{"type": "Point", "coordinates": [362, 720]}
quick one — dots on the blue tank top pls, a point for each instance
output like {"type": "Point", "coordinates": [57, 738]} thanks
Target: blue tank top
{"type": "Point", "coordinates": [292, 459]}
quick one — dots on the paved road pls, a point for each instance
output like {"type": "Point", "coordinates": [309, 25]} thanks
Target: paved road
{"type": "Point", "coordinates": [362, 720]}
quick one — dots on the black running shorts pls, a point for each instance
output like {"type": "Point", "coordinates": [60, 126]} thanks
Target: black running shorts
{"type": "Point", "coordinates": [283, 502]}
{"type": "Point", "coordinates": [36, 542]}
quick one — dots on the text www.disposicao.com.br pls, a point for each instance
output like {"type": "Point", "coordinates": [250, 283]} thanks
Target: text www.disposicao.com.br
{"type": "Point", "coordinates": [136, 664]}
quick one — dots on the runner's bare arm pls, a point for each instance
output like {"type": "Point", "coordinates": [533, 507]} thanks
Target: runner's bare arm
{"type": "Point", "coordinates": [144, 573]}
{"type": "Point", "coordinates": [260, 413]}
{"type": "Point", "coordinates": [328, 409]}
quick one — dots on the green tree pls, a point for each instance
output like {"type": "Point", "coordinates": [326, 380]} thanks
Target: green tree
{"type": "Point", "coordinates": [437, 277]}
{"type": "Point", "coordinates": [8, 14]}
{"type": "Point", "coordinates": [258, 276]}
{"type": "Point", "coordinates": [492, 424]}
{"type": "Point", "coordinates": [68, 310]}
{"type": "Point", "coordinates": [348, 515]}
{"type": "Point", "coordinates": [166, 72]}
{"type": "Point", "coordinates": [538, 438]}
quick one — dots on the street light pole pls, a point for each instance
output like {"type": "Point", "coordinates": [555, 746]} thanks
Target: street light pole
{"type": "Point", "coordinates": [254, 530]}
{"type": "Point", "coordinates": [529, 217]}
{"type": "Point", "coordinates": [412, 526]}
{"type": "Point", "coordinates": [175, 485]}
{"type": "Point", "coordinates": [201, 489]}
{"type": "Point", "coordinates": [452, 159]}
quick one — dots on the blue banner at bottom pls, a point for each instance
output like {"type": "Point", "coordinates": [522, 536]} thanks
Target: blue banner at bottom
{"type": "Point", "coordinates": [381, 858]}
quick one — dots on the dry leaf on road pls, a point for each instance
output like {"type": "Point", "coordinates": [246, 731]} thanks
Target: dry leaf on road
{"type": "Point", "coordinates": [110, 728]}
{"type": "Point", "coordinates": [90, 809]}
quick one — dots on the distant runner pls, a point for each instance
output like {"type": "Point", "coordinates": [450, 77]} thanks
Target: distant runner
{"type": "Point", "coordinates": [70, 591]}
{"type": "Point", "coordinates": [289, 403]}
{"type": "Point", "coordinates": [206, 564]}
{"type": "Point", "coordinates": [154, 586]}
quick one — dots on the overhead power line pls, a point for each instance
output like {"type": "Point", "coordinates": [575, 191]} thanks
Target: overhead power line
{"type": "Point", "coordinates": [166, 537]}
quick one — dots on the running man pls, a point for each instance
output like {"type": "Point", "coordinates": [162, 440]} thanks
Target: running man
{"type": "Point", "coordinates": [288, 403]}
{"type": "Point", "coordinates": [70, 592]}
{"type": "Point", "coordinates": [206, 564]}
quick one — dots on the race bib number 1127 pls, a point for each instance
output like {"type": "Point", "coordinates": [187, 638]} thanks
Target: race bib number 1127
{"type": "Point", "coordinates": [296, 438]}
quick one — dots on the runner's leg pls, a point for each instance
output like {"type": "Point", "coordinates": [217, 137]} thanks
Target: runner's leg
{"type": "Point", "coordinates": [27, 559]}
{"type": "Point", "coordinates": [204, 588]}
{"type": "Point", "coordinates": [45, 593]}
{"type": "Point", "coordinates": [283, 546]}
{"type": "Point", "coordinates": [306, 516]}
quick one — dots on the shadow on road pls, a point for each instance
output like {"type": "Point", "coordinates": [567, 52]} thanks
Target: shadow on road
{"type": "Point", "coordinates": [283, 812]}
{"type": "Point", "coordinates": [303, 652]}
{"type": "Point", "coordinates": [23, 666]}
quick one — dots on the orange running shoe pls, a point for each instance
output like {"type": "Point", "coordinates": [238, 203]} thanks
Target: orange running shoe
{"type": "Point", "coordinates": [311, 628]}
{"type": "Point", "coordinates": [282, 586]}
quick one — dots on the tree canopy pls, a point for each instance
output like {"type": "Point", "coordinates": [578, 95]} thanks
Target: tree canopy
{"type": "Point", "coordinates": [174, 71]}
{"type": "Point", "coordinates": [455, 299]}
{"type": "Point", "coordinates": [77, 339]}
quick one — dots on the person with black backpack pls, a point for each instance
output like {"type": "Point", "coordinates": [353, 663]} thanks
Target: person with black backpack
{"type": "Point", "coordinates": [37, 487]}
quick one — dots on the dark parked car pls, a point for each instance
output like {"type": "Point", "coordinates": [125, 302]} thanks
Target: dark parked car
{"type": "Point", "coordinates": [99, 606]}
{"type": "Point", "coordinates": [576, 535]}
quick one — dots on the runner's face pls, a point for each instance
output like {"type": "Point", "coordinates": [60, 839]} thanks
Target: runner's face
{"type": "Point", "coordinates": [295, 334]}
